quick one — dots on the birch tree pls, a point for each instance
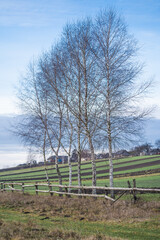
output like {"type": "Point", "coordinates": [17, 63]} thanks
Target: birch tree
{"type": "Point", "coordinates": [46, 125]}
{"type": "Point", "coordinates": [116, 53]}
{"type": "Point", "coordinates": [90, 77]}
{"type": "Point", "coordinates": [78, 72]}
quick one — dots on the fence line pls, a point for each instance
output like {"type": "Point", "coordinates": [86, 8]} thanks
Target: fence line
{"type": "Point", "coordinates": [88, 187]}
{"type": "Point", "coordinates": [132, 190]}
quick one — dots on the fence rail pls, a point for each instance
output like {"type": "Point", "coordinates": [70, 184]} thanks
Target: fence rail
{"type": "Point", "coordinates": [66, 190]}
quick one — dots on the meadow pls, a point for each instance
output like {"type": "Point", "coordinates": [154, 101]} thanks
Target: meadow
{"type": "Point", "coordinates": [122, 166]}
{"type": "Point", "coordinates": [45, 217]}
{"type": "Point", "coordinates": [30, 216]}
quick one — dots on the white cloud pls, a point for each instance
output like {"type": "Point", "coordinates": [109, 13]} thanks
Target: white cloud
{"type": "Point", "coordinates": [7, 105]}
{"type": "Point", "coordinates": [12, 159]}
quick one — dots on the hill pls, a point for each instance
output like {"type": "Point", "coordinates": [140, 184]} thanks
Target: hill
{"type": "Point", "coordinates": [125, 167]}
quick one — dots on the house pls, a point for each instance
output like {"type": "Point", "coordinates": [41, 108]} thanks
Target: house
{"type": "Point", "coordinates": [74, 156]}
{"type": "Point", "coordinates": [121, 153]}
{"type": "Point", "coordinates": [102, 155]}
{"type": "Point", "coordinates": [85, 155]}
{"type": "Point", "coordinates": [23, 165]}
{"type": "Point", "coordinates": [41, 163]}
{"type": "Point", "coordinates": [61, 159]}
{"type": "Point", "coordinates": [155, 151]}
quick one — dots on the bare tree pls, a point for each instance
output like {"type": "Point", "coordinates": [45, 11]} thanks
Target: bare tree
{"type": "Point", "coordinates": [116, 52]}
{"type": "Point", "coordinates": [30, 128]}
{"type": "Point", "coordinates": [51, 67]}
{"type": "Point", "coordinates": [46, 125]}
{"type": "Point", "coordinates": [67, 140]}
{"type": "Point", "coordinates": [90, 78]}
{"type": "Point", "coordinates": [77, 71]}
{"type": "Point", "coordinates": [51, 118]}
{"type": "Point", "coordinates": [31, 132]}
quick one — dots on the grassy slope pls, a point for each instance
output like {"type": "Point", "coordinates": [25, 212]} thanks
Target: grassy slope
{"type": "Point", "coordinates": [32, 217]}
{"type": "Point", "coordinates": [42, 217]}
{"type": "Point", "coordinates": [148, 180]}
{"type": "Point", "coordinates": [86, 168]}
{"type": "Point", "coordinates": [74, 166]}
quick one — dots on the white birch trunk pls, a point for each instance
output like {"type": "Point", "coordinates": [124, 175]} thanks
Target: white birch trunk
{"type": "Point", "coordinates": [79, 163]}
{"type": "Point", "coordinates": [110, 157]}
{"type": "Point", "coordinates": [58, 173]}
{"type": "Point", "coordinates": [93, 164]}
{"type": "Point", "coordinates": [70, 173]}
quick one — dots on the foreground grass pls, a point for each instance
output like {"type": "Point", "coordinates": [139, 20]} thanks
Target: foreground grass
{"type": "Point", "coordinates": [43, 217]}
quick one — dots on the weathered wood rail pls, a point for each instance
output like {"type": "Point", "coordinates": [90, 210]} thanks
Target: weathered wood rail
{"type": "Point", "coordinates": [66, 190]}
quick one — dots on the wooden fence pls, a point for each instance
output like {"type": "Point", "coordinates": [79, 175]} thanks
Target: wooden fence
{"type": "Point", "coordinates": [82, 190]}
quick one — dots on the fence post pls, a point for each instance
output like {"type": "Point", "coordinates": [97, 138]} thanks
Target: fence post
{"type": "Point", "coordinates": [84, 190]}
{"type": "Point", "coordinates": [1, 186]}
{"type": "Point", "coordinates": [4, 187]}
{"type": "Point", "coordinates": [66, 190]}
{"type": "Point", "coordinates": [134, 192]}
{"type": "Point", "coordinates": [12, 185]}
{"type": "Point", "coordinates": [23, 188]}
{"type": "Point", "coordinates": [106, 191]}
{"type": "Point", "coordinates": [36, 186]}
{"type": "Point", "coordinates": [129, 185]}
{"type": "Point", "coordinates": [50, 189]}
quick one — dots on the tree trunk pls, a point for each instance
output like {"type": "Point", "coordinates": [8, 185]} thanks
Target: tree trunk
{"type": "Point", "coordinates": [93, 164]}
{"type": "Point", "coordinates": [44, 157]}
{"type": "Point", "coordinates": [58, 173]}
{"type": "Point", "coordinates": [110, 157]}
{"type": "Point", "coordinates": [79, 132]}
{"type": "Point", "coordinates": [45, 168]}
{"type": "Point", "coordinates": [79, 163]}
{"type": "Point", "coordinates": [70, 173]}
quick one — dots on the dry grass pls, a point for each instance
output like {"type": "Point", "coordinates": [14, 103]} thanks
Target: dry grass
{"type": "Point", "coordinates": [19, 231]}
{"type": "Point", "coordinates": [85, 210]}
{"type": "Point", "coordinates": [80, 208]}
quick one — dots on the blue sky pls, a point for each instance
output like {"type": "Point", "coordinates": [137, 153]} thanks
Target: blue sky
{"type": "Point", "coordinates": [29, 27]}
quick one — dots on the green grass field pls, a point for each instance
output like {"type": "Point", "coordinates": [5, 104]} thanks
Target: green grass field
{"type": "Point", "coordinates": [133, 164]}
{"type": "Point", "coordinates": [146, 180]}
{"type": "Point", "coordinates": [43, 217]}
{"type": "Point", "coordinates": [27, 216]}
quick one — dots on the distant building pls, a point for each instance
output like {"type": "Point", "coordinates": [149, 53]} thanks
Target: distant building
{"type": "Point", "coordinates": [85, 155]}
{"type": "Point", "coordinates": [23, 165]}
{"type": "Point", "coordinates": [102, 155]}
{"type": "Point", "coordinates": [32, 163]}
{"type": "Point", "coordinates": [144, 153]}
{"type": "Point", "coordinates": [74, 156]}
{"type": "Point", "coordinates": [61, 159]}
{"type": "Point", "coordinates": [155, 151]}
{"type": "Point", "coordinates": [40, 163]}
{"type": "Point", "coordinates": [122, 153]}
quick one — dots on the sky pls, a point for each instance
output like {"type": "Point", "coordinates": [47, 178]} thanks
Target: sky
{"type": "Point", "coordinates": [29, 27]}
